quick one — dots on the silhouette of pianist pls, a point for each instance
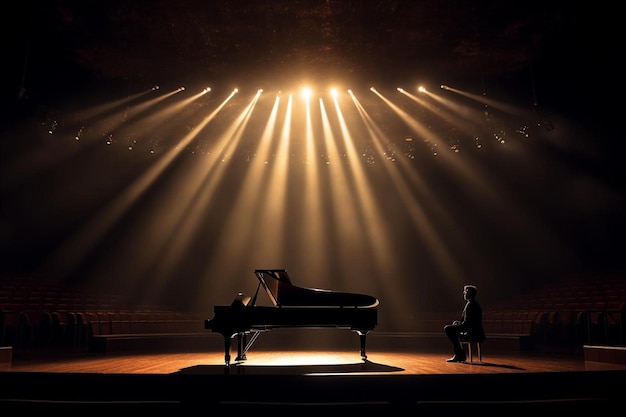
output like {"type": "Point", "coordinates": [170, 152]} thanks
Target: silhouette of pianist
{"type": "Point", "coordinates": [471, 324]}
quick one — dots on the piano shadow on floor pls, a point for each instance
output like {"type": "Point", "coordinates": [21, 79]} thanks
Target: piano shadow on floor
{"type": "Point", "coordinates": [241, 369]}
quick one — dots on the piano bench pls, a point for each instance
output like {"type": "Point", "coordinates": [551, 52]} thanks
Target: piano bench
{"type": "Point", "coordinates": [469, 347]}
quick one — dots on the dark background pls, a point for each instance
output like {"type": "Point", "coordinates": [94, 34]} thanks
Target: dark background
{"type": "Point", "coordinates": [558, 60]}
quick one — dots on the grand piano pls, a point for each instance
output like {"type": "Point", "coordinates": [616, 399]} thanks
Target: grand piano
{"type": "Point", "coordinates": [291, 306]}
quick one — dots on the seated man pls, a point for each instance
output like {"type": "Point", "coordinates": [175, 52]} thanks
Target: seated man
{"type": "Point", "coordinates": [471, 324]}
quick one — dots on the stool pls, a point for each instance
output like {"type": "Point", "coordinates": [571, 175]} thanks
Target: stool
{"type": "Point", "coordinates": [466, 344]}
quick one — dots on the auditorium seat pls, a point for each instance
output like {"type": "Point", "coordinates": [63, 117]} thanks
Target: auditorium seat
{"type": "Point", "coordinates": [63, 326]}
{"type": "Point", "coordinates": [36, 327]}
{"type": "Point", "coordinates": [11, 332]}
{"type": "Point", "coordinates": [562, 326]}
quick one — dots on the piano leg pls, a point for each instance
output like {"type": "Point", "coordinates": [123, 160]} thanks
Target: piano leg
{"type": "Point", "coordinates": [241, 343]}
{"type": "Point", "coordinates": [362, 339]}
{"type": "Point", "coordinates": [227, 349]}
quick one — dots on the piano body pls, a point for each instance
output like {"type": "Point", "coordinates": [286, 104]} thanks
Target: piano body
{"type": "Point", "coordinates": [292, 306]}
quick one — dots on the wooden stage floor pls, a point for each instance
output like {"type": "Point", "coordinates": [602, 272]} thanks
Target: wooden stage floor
{"type": "Point", "coordinates": [287, 382]}
{"type": "Point", "coordinates": [308, 363]}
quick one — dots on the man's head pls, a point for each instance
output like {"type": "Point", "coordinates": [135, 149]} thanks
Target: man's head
{"type": "Point", "coordinates": [470, 291]}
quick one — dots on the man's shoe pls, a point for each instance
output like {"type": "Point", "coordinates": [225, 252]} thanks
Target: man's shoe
{"type": "Point", "coordinates": [457, 358]}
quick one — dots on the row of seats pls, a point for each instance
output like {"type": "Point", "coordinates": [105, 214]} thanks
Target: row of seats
{"type": "Point", "coordinates": [42, 328]}
{"type": "Point", "coordinates": [573, 327]}
{"type": "Point", "coordinates": [50, 299]}
{"type": "Point", "coordinates": [40, 312]}
{"type": "Point", "coordinates": [598, 292]}
{"type": "Point", "coordinates": [577, 311]}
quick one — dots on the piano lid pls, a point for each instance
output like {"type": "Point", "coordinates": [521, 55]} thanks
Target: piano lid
{"type": "Point", "coordinates": [282, 292]}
